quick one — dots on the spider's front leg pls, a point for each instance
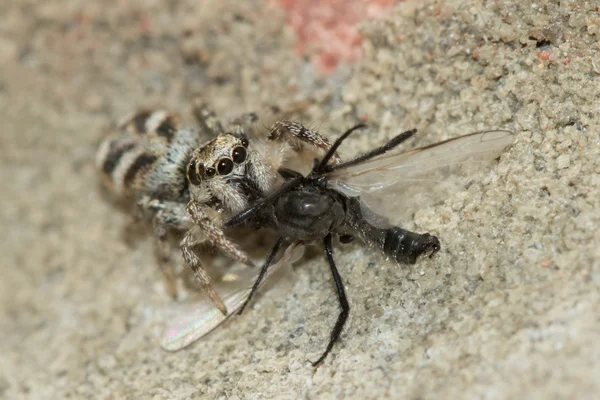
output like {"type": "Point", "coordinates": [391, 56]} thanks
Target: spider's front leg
{"type": "Point", "coordinates": [190, 240]}
{"type": "Point", "coordinates": [284, 136]}
{"type": "Point", "coordinates": [206, 229]}
{"type": "Point", "coordinates": [262, 173]}
{"type": "Point", "coordinates": [297, 134]}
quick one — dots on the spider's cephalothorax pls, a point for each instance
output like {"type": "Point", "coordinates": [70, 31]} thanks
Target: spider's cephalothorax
{"type": "Point", "coordinates": [227, 174]}
{"type": "Point", "coordinates": [191, 179]}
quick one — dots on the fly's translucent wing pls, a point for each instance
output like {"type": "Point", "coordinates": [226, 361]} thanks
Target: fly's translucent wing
{"type": "Point", "coordinates": [395, 186]}
{"type": "Point", "coordinates": [198, 319]}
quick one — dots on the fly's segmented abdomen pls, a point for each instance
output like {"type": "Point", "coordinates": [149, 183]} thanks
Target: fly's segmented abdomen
{"type": "Point", "coordinates": [405, 246]}
{"type": "Point", "coordinates": [401, 245]}
{"type": "Point", "coordinates": [397, 243]}
{"type": "Point", "coordinates": [126, 156]}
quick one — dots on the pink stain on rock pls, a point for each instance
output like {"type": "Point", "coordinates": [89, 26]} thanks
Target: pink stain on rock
{"type": "Point", "coordinates": [327, 30]}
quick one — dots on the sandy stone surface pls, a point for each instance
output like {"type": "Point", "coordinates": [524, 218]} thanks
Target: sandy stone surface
{"type": "Point", "coordinates": [510, 308]}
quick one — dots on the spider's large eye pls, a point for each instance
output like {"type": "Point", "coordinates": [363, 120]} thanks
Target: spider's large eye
{"type": "Point", "coordinates": [192, 174]}
{"type": "Point", "coordinates": [238, 154]}
{"type": "Point", "coordinates": [225, 166]}
{"type": "Point", "coordinates": [210, 172]}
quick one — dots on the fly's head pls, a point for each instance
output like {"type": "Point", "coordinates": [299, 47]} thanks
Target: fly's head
{"type": "Point", "coordinates": [223, 159]}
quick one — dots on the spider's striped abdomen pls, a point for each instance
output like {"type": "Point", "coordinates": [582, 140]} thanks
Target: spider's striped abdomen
{"type": "Point", "coordinates": [147, 155]}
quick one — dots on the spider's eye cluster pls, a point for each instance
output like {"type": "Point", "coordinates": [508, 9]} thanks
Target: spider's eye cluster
{"type": "Point", "coordinates": [196, 172]}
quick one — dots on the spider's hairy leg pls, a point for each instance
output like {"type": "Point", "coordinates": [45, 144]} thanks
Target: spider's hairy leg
{"type": "Point", "coordinates": [191, 258]}
{"type": "Point", "coordinates": [166, 215]}
{"type": "Point", "coordinates": [215, 234]}
{"type": "Point", "coordinates": [296, 134]}
{"type": "Point", "coordinates": [172, 214]}
{"type": "Point", "coordinates": [206, 117]}
{"type": "Point", "coordinates": [262, 173]}
{"type": "Point", "coordinates": [231, 197]}
{"type": "Point", "coordinates": [162, 252]}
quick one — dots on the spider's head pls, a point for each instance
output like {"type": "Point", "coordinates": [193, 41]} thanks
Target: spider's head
{"type": "Point", "coordinates": [224, 156]}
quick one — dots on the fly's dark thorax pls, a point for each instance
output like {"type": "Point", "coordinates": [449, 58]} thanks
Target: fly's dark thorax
{"type": "Point", "coordinates": [309, 212]}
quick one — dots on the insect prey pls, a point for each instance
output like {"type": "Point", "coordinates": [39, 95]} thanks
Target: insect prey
{"type": "Point", "coordinates": [344, 200]}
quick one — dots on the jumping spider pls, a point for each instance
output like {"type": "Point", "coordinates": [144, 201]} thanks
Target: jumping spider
{"type": "Point", "coordinates": [181, 182]}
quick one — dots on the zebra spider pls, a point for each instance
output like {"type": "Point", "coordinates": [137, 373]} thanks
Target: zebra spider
{"type": "Point", "coordinates": [181, 182]}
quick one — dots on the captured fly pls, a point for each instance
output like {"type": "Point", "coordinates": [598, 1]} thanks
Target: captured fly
{"type": "Point", "coordinates": [361, 198]}
{"type": "Point", "coordinates": [346, 200]}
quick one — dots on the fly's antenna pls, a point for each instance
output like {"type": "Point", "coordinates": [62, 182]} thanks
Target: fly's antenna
{"type": "Point", "coordinates": [395, 141]}
{"type": "Point", "coordinates": [320, 168]}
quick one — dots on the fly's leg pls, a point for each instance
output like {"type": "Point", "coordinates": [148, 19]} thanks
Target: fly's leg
{"type": "Point", "coordinates": [395, 141]}
{"type": "Point", "coordinates": [339, 286]}
{"type": "Point", "coordinates": [262, 273]}
{"type": "Point", "coordinates": [206, 117]}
